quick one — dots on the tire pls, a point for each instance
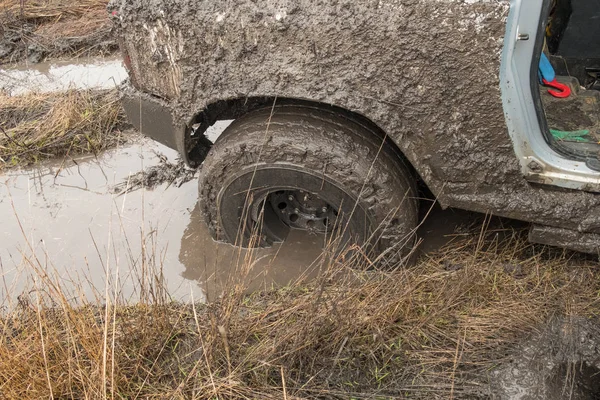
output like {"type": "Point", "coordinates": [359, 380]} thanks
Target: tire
{"type": "Point", "coordinates": [292, 153]}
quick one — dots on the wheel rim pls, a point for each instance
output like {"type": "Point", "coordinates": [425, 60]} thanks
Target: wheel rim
{"type": "Point", "coordinates": [313, 203]}
{"type": "Point", "coordinates": [303, 210]}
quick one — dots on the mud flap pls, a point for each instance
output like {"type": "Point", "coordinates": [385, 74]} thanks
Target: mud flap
{"type": "Point", "coordinates": [152, 118]}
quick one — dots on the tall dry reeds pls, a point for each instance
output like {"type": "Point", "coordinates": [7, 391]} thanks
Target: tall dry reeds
{"type": "Point", "coordinates": [433, 330]}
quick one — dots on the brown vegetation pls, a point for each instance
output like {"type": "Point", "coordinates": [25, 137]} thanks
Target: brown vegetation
{"type": "Point", "coordinates": [434, 330]}
{"type": "Point", "coordinates": [40, 28]}
{"type": "Point", "coordinates": [48, 125]}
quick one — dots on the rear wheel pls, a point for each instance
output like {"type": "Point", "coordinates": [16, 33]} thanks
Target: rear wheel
{"type": "Point", "coordinates": [297, 167]}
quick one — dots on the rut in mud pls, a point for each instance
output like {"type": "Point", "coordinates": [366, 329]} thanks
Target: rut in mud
{"type": "Point", "coordinates": [560, 362]}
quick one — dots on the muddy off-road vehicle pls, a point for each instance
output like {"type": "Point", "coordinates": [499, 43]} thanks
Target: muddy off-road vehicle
{"type": "Point", "coordinates": [341, 107]}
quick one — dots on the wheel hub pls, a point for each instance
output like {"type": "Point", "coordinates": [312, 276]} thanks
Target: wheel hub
{"type": "Point", "coordinates": [303, 210]}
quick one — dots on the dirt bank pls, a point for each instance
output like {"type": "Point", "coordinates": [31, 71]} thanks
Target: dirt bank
{"type": "Point", "coordinates": [438, 330]}
{"type": "Point", "coordinates": [34, 30]}
{"type": "Point", "coordinates": [49, 125]}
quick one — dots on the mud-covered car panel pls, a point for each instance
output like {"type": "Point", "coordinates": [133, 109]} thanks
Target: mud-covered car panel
{"type": "Point", "coordinates": [425, 71]}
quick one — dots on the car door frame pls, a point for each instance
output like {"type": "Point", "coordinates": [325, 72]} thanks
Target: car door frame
{"type": "Point", "coordinates": [539, 161]}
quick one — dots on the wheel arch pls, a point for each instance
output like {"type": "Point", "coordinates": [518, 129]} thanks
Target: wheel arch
{"type": "Point", "coordinates": [234, 108]}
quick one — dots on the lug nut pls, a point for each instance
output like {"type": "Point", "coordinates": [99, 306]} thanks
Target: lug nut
{"type": "Point", "coordinates": [291, 198]}
{"type": "Point", "coordinates": [324, 209]}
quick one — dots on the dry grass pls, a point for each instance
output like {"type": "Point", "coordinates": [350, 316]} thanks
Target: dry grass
{"type": "Point", "coordinates": [50, 10]}
{"type": "Point", "coordinates": [49, 125]}
{"type": "Point", "coordinates": [430, 331]}
{"type": "Point", "coordinates": [54, 27]}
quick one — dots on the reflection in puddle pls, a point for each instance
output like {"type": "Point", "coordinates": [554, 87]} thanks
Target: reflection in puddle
{"type": "Point", "coordinates": [84, 236]}
{"type": "Point", "coordinates": [63, 75]}
{"type": "Point", "coordinates": [217, 265]}
{"type": "Point", "coordinates": [66, 224]}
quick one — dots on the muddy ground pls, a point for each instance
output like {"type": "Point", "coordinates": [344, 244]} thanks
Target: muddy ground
{"type": "Point", "coordinates": [112, 218]}
{"type": "Point", "coordinates": [480, 315]}
{"type": "Point", "coordinates": [34, 31]}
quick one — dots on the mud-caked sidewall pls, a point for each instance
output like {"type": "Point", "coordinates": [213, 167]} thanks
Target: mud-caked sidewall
{"type": "Point", "coordinates": [323, 143]}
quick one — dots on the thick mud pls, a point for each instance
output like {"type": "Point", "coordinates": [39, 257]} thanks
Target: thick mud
{"type": "Point", "coordinates": [85, 220]}
{"type": "Point", "coordinates": [67, 221]}
{"type": "Point", "coordinates": [561, 362]}
{"type": "Point", "coordinates": [315, 156]}
{"type": "Point", "coordinates": [425, 71]}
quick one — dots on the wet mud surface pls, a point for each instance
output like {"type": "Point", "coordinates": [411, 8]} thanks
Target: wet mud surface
{"type": "Point", "coordinates": [562, 361]}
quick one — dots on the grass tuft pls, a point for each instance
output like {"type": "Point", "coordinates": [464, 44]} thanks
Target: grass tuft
{"type": "Point", "coordinates": [54, 28]}
{"type": "Point", "coordinates": [50, 125]}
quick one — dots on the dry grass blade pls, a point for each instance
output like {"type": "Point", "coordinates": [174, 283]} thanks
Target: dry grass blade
{"type": "Point", "coordinates": [50, 9]}
{"type": "Point", "coordinates": [430, 330]}
{"type": "Point", "coordinates": [38, 126]}
{"type": "Point", "coordinates": [39, 28]}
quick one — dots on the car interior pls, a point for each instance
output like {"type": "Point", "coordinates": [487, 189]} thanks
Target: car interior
{"type": "Point", "coordinates": [570, 101]}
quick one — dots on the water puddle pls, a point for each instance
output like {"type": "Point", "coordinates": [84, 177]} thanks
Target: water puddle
{"type": "Point", "coordinates": [64, 223]}
{"type": "Point", "coordinates": [61, 75]}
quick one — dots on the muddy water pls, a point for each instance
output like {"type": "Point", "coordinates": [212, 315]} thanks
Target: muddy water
{"type": "Point", "coordinates": [62, 225]}
{"type": "Point", "coordinates": [60, 75]}
{"type": "Point", "coordinates": [62, 221]}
